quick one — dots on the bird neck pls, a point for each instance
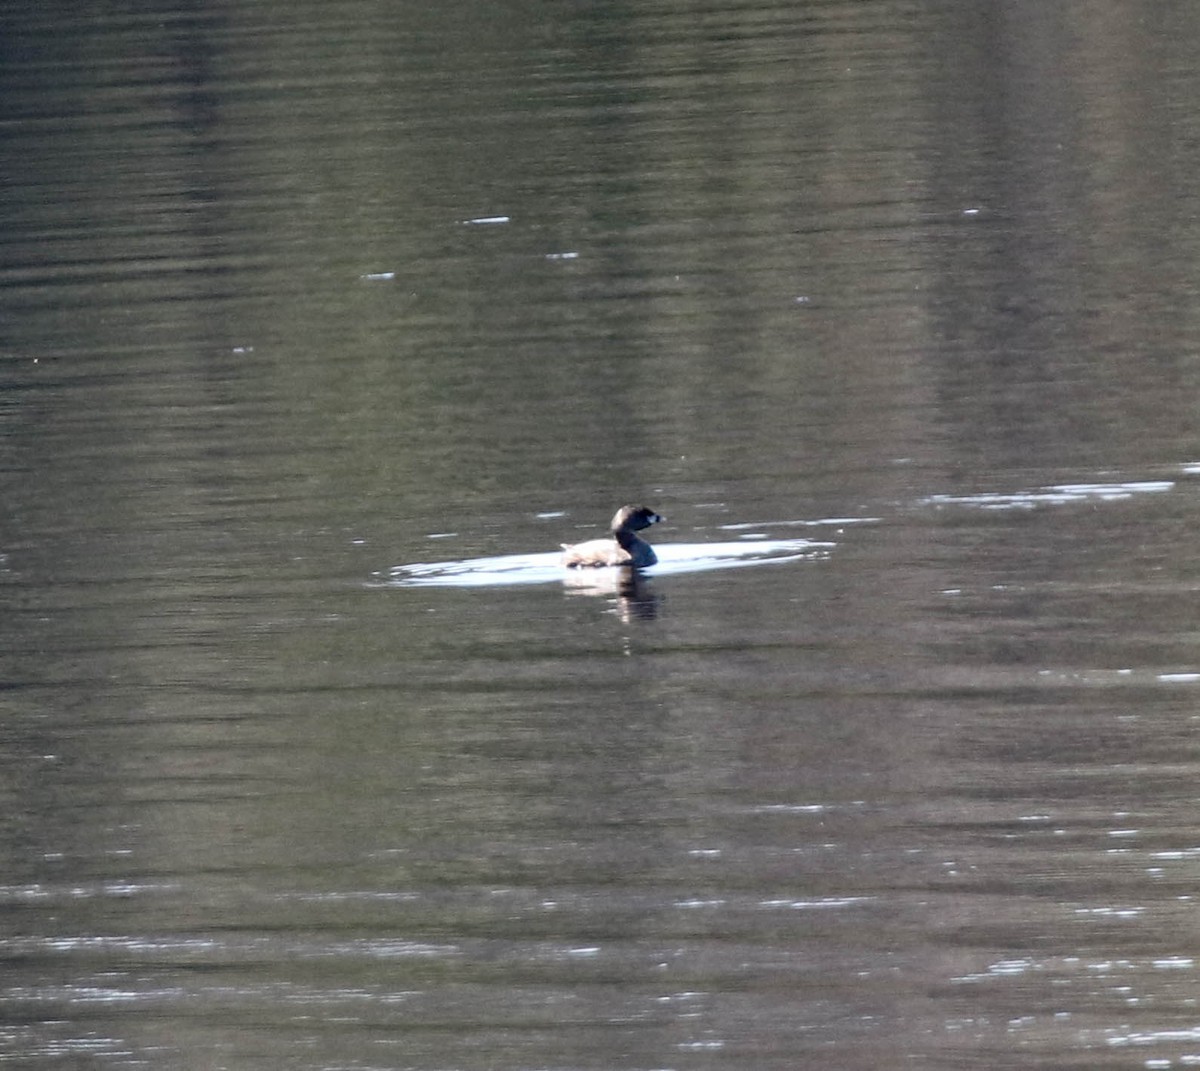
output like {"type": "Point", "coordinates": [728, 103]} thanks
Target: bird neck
{"type": "Point", "coordinates": [626, 539]}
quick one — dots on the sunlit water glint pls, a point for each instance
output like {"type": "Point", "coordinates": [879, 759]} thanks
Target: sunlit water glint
{"type": "Point", "coordinates": [673, 559]}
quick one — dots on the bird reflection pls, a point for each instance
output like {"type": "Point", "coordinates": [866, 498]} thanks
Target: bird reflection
{"type": "Point", "coordinates": [628, 588]}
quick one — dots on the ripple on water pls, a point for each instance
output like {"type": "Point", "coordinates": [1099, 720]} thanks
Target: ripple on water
{"type": "Point", "coordinates": [546, 568]}
{"type": "Point", "coordinates": [1054, 495]}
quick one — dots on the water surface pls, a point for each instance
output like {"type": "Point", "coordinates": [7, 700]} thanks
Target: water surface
{"type": "Point", "coordinates": [325, 326]}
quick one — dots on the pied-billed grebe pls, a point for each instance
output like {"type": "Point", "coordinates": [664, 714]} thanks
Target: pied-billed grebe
{"type": "Point", "coordinates": [624, 548]}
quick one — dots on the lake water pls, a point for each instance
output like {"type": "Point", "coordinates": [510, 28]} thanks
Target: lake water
{"type": "Point", "coordinates": [323, 325]}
